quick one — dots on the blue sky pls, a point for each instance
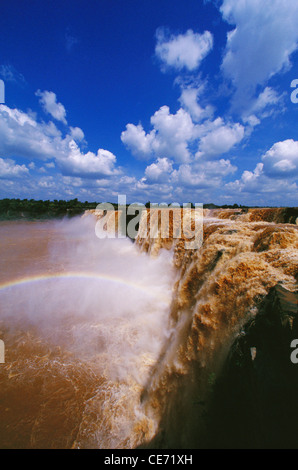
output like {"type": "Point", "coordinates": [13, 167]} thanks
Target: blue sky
{"type": "Point", "coordinates": [160, 100]}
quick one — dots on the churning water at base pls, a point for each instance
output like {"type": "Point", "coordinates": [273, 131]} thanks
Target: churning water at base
{"type": "Point", "coordinates": [83, 320]}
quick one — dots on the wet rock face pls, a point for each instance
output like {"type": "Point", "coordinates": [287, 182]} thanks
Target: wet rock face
{"type": "Point", "coordinates": [255, 401]}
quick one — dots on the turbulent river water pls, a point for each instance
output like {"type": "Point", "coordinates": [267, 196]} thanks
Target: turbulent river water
{"type": "Point", "coordinates": [83, 320]}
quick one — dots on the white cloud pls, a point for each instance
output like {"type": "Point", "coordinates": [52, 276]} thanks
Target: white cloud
{"type": "Point", "coordinates": [173, 134]}
{"type": "Point", "coordinates": [198, 175]}
{"type": "Point", "coordinates": [274, 178]}
{"type": "Point", "coordinates": [170, 136]}
{"type": "Point", "coordinates": [263, 106]}
{"type": "Point", "coordinates": [50, 165]}
{"type": "Point", "coordinates": [177, 137]}
{"type": "Point", "coordinates": [268, 97]}
{"type": "Point", "coordinates": [189, 101]}
{"type": "Point", "coordinates": [220, 139]}
{"type": "Point", "coordinates": [47, 182]}
{"type": "Point", "coordinates": [50, 105]}
{"type": "Point", "coordinates": [184, 50]}
{"type": "Point", "coordinates": [187, 177]}
{"type": "Point", "coordinates": [261, 44]}
{"type": "Point", "coordinates": [250, 181]}
{"type": "Point", "coordinates": [77, 134]}
{"type": "Point", "coordinates": [251, 120]}
{"type": "Point", "coordinates": [203, 175]}
{"type": "Point", "coordinates": [282, 159]}
{"type": "Point", "coordinates": [250, 178]}
{"type": "Point", "coordinates": [10, 170]}
{"type": "Point", "coordinates": [22, 136]}
{"type": "Point", "coordinates": [218, 168]}
{"type": "Point", "coordinates": [136, 139]}
{"type": "Point", "coordinates": [159, 171]}
{"type": "Point", "coordinates": [88, 165]}
{"type": "Point", "coordinates": [255, 185]}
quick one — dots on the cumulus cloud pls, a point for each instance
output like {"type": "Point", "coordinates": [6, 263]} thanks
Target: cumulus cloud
{"type": "Point", "coordinates": [184, 50]}
{"type": "Point", "coordinates": [282, 159]}
{"type": "Point", "coordinates": [260, 45]}
{"type": "Point", "coordinates": [220, 139]}
{"type": "Point", "coordinates": [218, 168]}
{"type": "Point", "coordinates": [50, 105]}
{"type": "Point", "coordinates": [203, 175]}
{"type": "Point", "coordinates": [87, 165]}
{"type": "Point", "coordinates": [173, 132]}
{"type": "Point", "coordinates": [250, 182]}
{"type": "Point", "coordinates": [273, 177]}
{"type": "Point", "coordinates": [10, 170]}
{"type": "Point", "coordinates": [77, 134]}
{"type": "Point", "coordinates": [178, 138]}
{"type": "Point", "coordinates": [138, 142]}
{"type": "Point", "coordinates": [170, 136]}
{"type": "Point", "coordinates": [255, 185]}
{"type": "Point", "coordinates": [23, 136]}
{"type": "Point", "coordinates": [187, 177]}
{"type": "Point", "coordinates": [189, 101]}
{"type": "Point", "coordinates": [198, 175]}
{"type": "Point", "coordinates": [159, 171]}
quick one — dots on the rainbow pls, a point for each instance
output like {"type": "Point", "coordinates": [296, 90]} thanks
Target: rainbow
{"type": "Point", "coordinates": [91, 276]}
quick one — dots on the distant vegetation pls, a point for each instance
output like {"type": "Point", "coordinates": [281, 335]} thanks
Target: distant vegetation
{"type": "Point", "coordinates": [11, 209]}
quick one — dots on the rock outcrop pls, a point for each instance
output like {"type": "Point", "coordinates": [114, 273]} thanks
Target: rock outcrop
{"type": "Point", "coordinates": [255, 398]}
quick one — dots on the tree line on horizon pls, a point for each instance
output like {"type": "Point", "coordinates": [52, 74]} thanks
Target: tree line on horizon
{"type": "Point", "coordinates": [11, 209]}
{"type": "Point", "coordinates": [40, 209]}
